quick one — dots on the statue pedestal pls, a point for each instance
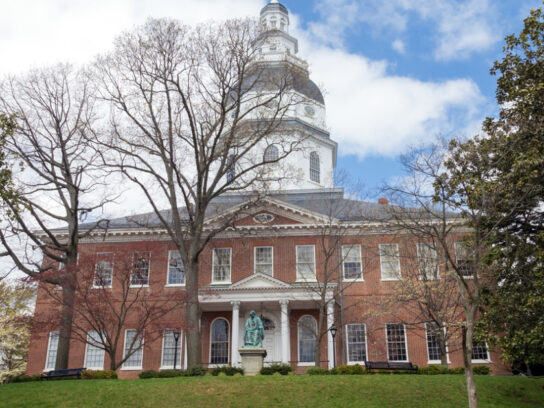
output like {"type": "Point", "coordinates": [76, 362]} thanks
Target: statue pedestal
{"type": "Point", "coordinates": [252, 360]}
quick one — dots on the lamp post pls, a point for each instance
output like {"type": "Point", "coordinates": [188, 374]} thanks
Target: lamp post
{"type": "Point", "coordinates": [176, 339]}
{"type": "Point", "coordinates": [333, 330]}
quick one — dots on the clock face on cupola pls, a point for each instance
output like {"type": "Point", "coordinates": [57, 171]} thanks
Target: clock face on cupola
{"type": "Point", "coordinates": [311, 164]}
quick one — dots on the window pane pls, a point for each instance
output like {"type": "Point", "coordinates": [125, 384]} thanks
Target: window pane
{"type": "Point", "coordinates": [271, 153]}
{"type": "Point", "coordinates": [314, 167]}
{"type": "Point", "coordinates": [169, 348]}
{"type": "Point", "coordinates": [305, 262]}
{"type": "Point", "coordinates": [351, 255]}
{"type": "Point", "coordinates": [176, 269]}
{"type": "Point", "coordinates": [396, 345]}
{"type": "Point", "coordinates": [94, 357]}
{"type": "Point", "coordinates": [389, 261]}
{"type": "Point", "coordinates": [140, 269]}
{"type": "Point", "coordinates": [221, 265]}
{"type": "Point", "coordinates": [219, 342]}
{"type": "Point", "coordinates": [479, 351]}
{"type": "Point", "coordinates": [356, 337]}
{"type": "Point", "coordinates": [307, 328]}
{"type": "Point", "coordinates": [433, 347]}
{"type": "Point", "coordinates": [135, 360]}
{"type": "Point", "coordinates": [465, 260]}
{"type": "Point", "coordinates": [103, 272]}
{"type": "Point", "coordinates": [263, 260]}
{"type": "Point", "coordinates": [52, 350]}
{"type": "Point", "coordinates": [427, 261]}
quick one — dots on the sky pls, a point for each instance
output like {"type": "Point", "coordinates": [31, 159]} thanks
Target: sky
{"type": "Point", "coordinates": [395, 73]}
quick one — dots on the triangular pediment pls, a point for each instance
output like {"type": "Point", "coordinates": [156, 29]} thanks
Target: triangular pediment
{"type": "Point", "coordinates": [259, 280]}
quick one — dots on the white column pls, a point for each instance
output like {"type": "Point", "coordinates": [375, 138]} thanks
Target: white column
{"type": "Point", "coordinates": [285, 340]}
{"type": "Point", "coordinates": [185, 352]}
{"type": "Point", "coordinates": [235, 358]}
{"type": "Point", "coordinates": [330, 344]}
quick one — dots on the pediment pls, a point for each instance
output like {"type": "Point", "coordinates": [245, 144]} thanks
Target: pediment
{"type": "Point", "coordinates": [261, 281]}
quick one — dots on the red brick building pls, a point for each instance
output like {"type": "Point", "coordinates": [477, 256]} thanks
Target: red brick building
{"type": "Point", "coordinates": [278, 260]}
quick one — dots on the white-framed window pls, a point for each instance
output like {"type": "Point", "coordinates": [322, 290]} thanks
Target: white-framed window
{"type": "Point", "coordinates": [307, 332]}
{"type": "Point", "coordinates": [221, 265]}
{"type": "Point", "coordinates": [271, 153]}
{"type": "Point", "coordinates": [219, 342]}
{"type": "Point", "coordinates": [315, 171]}
{"type": "Point", "coordinates": [306, 263]}
{"type": "Point", "coordinates": [389, 261]}
{"type": "Point", "coordinates": [465, 260]}
{"type": "Point", "coordinates": [264, 260]}
{"type": "Point", "coordinates": [103, 270]}
{"type": "Point", "coordinates": [140, 268]}
{"type": "Point", "coordinates": [94, 355]}
{"type": "Point", "coordinates": [356, 342]}
{"type": "Point", "coordinates": [433, 346]}
{"type": "Point", "coordinates": [176, 269]}
{"type": "Point", "coordinates": [427, 259]}
{"type": "Point", "coordinates": [397, 349]}
{"type": "Point", "coordinates": [133, 342]}
{"type": "Point", "coordinates": [479, 352]}
{"type": "Point", "coordinates": [352, 262]}
{"type": "Point", "coordinates": [52, 346]}
{"type": "Point", "coordinates": [169, 348]}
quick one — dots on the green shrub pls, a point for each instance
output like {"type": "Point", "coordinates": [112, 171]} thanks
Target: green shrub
{"type": "Point", "coordinates": [227, 370]}
{"type": "Point", "coordinates": [456, 370]}
{"type": "Point", "coordinates": [283, 369]}
{"type": "Point", "coordinates": [99, 375]}
{"type": "Point", "coordinates": [432, 370]}
{"type": "Point", "coordinates": [481, 370]}
{"type": "Point", "coordinates": [171, 373]}
{"type": "Point", "coordinates": [267, 371]}
{"type": "Point", "coordinates": [355, 369]}
{"type": "Point", "coordinates": [25, 378]}
{"type": "Point", "coordinates": [317, 371]}
{"type": "Point", "coordinates": [196, 371]}
{"type": "Point", "coordinates": [148, 374]}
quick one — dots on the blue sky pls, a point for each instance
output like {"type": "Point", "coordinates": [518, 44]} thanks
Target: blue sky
{"type": "Point", "coordinates": [395, 73]}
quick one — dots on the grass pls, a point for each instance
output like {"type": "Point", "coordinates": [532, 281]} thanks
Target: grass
{"type": "Point", "coordinates": [273, 391]}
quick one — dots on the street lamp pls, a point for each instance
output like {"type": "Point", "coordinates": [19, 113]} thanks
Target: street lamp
{"type": "Point", "coordinates": [176, 339]}
{"type": "Point", "coordinates": [333, 330]}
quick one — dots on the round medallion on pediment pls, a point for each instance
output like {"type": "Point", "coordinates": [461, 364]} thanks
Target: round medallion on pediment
{"type": "Point", "coordinates": [263, 218]}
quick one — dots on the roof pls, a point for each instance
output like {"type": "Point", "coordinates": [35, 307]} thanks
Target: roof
{"type": "Point", "coordinates": [274, 7]}
{"type": "Point", "coordinates": [327, 202]}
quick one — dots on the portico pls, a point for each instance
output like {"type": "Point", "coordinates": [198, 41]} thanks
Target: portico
{"type": "Point", "coordinates": [273, 300]}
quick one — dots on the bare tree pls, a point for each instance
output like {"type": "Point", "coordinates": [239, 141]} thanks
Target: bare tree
{"type": "Point", "coordinates": [196, 114]}
{"type": "Point", "coordinates": [59, 184]}
{"type": "Point", "coordinates": [432, 210]}
{"type": "Point", "coordinates": [110, 298]}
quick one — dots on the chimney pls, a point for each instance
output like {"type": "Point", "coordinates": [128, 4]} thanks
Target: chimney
{"type": "Point", "coordinates": [383, 201]}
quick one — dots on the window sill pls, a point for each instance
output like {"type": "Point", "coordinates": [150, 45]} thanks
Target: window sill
{"type": "Point", "coordinates": [175, 285]}
{"type": "Point", "coordinates": [306, 281]}
{"type": "Point", "coordinates": [482, 362]}
{"type": "Point", "coordinates": [131, 368]}
{"type": "Point", "coordinates": [101, 287]}
{"type": "Point", "coordinates": [434, 362]}
{"type": "Point", "coordinates": [398, 361]}
{"type": "Point", "coordinates": [222, 283]}
{"type": "Point", "coordinates": [353, 280]}
{"type": "Point", "coordinates": [307, 364]}
{"type": "Point", "coordinates": [178, 367]}
{"type": "Point", "coordinates": [138, 286]}
{"type": "Point", "coordinates": [361, 363]}
{"type": "Point", "coordinates": [94, 368]}
{"type": "Point", "coordinates": [391, 280]}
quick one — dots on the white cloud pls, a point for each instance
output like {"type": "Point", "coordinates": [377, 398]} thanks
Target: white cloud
{"type": "Point", "coordinates": [461, 27]}
{"type": "Point", "coordinates": [399, 46]}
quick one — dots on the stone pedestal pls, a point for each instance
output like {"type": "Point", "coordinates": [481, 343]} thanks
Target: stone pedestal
{"type": "Point", "coordinates": [252, 360]}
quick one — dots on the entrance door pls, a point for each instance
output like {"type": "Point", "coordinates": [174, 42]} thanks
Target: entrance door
{"type": "Point", "coordinates": [269, 342]}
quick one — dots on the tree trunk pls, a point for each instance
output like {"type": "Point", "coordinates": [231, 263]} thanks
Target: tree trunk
{"type": "Point", "coordinates": [65, 329]}
{"type": "Point", "coordinates": [469, 373]}
{"type": "Point", "coordinates": [318, 337]}
{"type": "Point", "coordinates": [443, 348]}
{"type": "Point", "coordinates": [192, 317]}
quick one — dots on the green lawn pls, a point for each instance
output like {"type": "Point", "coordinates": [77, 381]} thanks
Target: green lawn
{"type": "Point", "coordinates": [272, 391]}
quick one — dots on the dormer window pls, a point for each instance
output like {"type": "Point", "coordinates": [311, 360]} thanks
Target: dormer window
{"type": "Point", "coordinates": [314, 167]}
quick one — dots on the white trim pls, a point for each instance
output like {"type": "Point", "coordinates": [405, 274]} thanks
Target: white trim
{"type": "Point", "coordinates": [48, 349]}
{"type": "Point", "coordinates": [480, 361]}
{"type": "Point", "coordinates": [225, 282]}
{"type": "Point", "coordinates": [353, 362]}
{"type": "Point", "coordinates": [459, 244]}
{"type": "Point", "coordinates": [255, 258]}
{"type": "Point", "coordinates": [298, 277]}
{"type": "Point", "coordinates": [304, 363]}
{"type": "Point", "coordinates": [138, 286]}
{"type": "Point", "coordinates": [398, 262]}
{"type": "Point", "coordinates": [173, 285]}
{"type": "Point", "coordinates": [112, 269]}
{"type": "Point", "coordinates": [344, 279]}
{"type": "Point", "coordinates": [180, 344]}
{"type": "Point", "coordinates": [423, 275]}
{"type": "Point", "coordinates": [405, 343]}
{"type": "Point", "coordinates": [210, 345]}
{"type": "Point", "coordinates": [429, 361]}
{"type": "Point", "coordinates": [85, 357]}
{"type": "Point", "coordinates": [135, 368]}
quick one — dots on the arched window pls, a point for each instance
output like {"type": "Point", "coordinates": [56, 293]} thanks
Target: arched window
{"type": "Point", "coordinates": [307, 328]}
{"type": "Point", "coordinates": [271, 154]}
{"type": "Point", "coordinates": [219, 342]}
{"type": "Point", "coordinates": [314, 167]}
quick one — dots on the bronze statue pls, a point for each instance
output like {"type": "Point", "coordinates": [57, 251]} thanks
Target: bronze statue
{"type": "Point", "coordinates": [254, 335]}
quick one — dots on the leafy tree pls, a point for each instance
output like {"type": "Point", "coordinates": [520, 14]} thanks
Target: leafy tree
{"type": "Point", "coordinates": [513, 153]}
